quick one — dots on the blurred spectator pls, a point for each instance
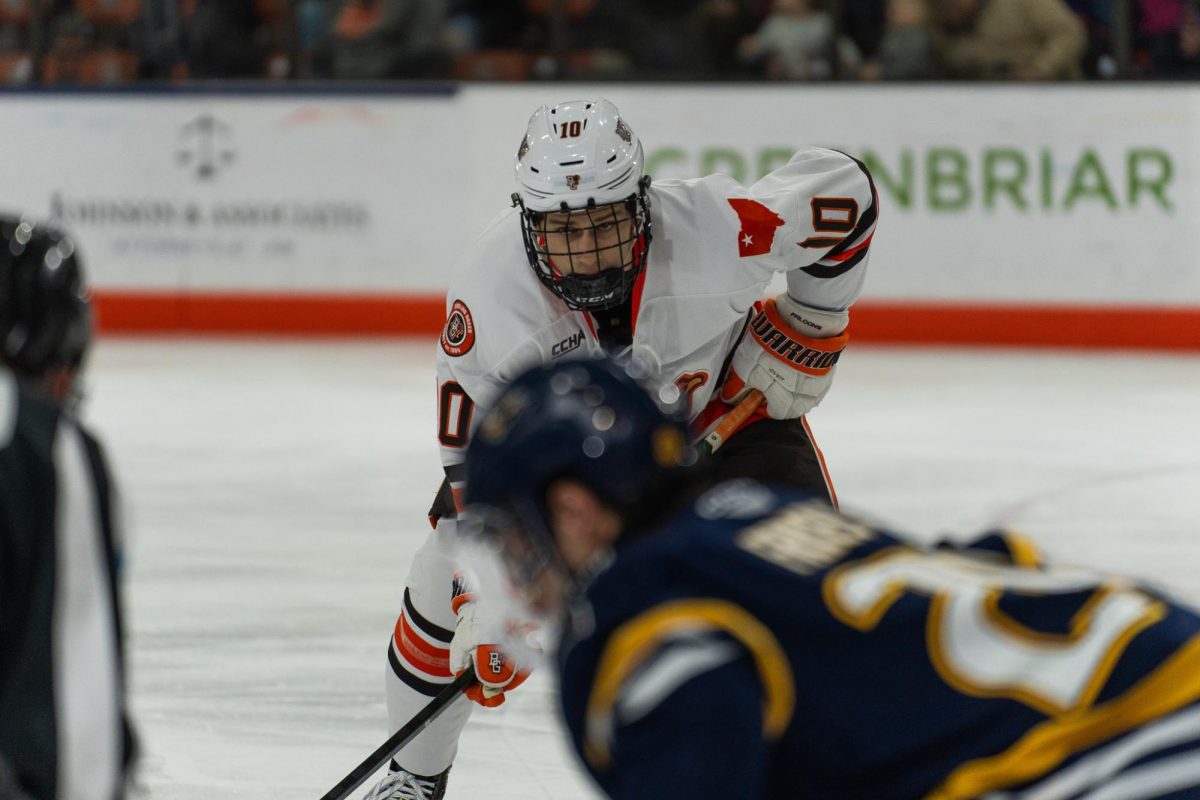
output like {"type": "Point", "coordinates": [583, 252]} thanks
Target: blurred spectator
{"type": "Point", "coordinates": [1009, 39]}
{"type": "Point", "coordinates": [390, 39]}
{"type": "Point", "coordinates": [221, 40]}
{"type": "Point", "coordinates": [1188, 65]}
{"type": "Point", "coordinates": [1176, 53]}
{"type": "Point", "coordinates": [864, 23]}
{"type": "Point", "coordinates": [16, 61]}
{"type": "Point", "coordinates": [313, 41]}
{"type": "Point", "coordinates": [722, 25]}
{"type": "Point", "coordinates": [162, 46]}
{"type": "Point", "coordinates": [796, 42]}
{"type": "Point", "coordinates": [13, 38]}
{"type": "Point", "coordinates": [69, 39]}
{"type": "Point", "coordinates": [91, 43]}
{"type": "Point", "coordinates": [1159, 24]}
{"type": "Point", "coordinates": [489, 24]}
{"type": "Point", "coordinates": [666, 37]}
{"type": "Point", "coordinates": [598, 38]}
{"type": "Point", "coordinates": [907, 52]}
{"type": "Point", "coordinates": [1099, 60]}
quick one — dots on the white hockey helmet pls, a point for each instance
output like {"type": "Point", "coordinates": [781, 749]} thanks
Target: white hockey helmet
{"type": "Point", "coordinates": [577, 154]}
{"type": "Point", "coordinates": [581, 156]}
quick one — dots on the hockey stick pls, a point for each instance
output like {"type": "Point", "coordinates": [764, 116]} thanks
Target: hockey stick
{"type": "Point", "coordinates": [397, 740]}
{"type": "Point", "coordinates": [732, 421]}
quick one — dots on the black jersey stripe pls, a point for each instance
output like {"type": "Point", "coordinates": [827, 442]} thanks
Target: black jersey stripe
{"type": "Point", "coordinates": [866, 221]}
{"type": "Point", "coordinates": [834, 270]}
{"type": "Point", "coordinates": [821, 241]}
{"type": "Point", "coordinates": [425, 626]}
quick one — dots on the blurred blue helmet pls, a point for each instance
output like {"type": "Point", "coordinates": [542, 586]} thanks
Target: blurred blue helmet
{"type": "Point", "coordinates": [586, 420]}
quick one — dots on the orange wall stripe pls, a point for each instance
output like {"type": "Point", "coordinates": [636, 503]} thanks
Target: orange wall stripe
{"type": "Point", "coordinates": [1101, 327]}
{"type": "Point", "coordinates": [263, 313]}
{"type": "Point", "coordinates": [279, 314]}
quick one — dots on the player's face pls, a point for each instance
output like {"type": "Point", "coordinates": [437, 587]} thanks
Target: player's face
{"type": "Point", "coordinates": [588, 241]}
{"type": "Point", "coordinates": [547, 589]}
{"type": "Point", "coordinates": [548, 593]}
{"type": "Point", "coordinates": [528, 563]}
{"type": "Point", "coordinates": [583, 526]}
{"type": "Point", "coordinates": [545, 574]}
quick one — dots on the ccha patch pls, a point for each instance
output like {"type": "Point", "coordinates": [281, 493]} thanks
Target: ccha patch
{"type": "Point", "coordinates": [458, 337]}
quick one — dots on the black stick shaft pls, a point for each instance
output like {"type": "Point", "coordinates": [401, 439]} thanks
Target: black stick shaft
{"type": "Point", "coordinates": [400, 738]}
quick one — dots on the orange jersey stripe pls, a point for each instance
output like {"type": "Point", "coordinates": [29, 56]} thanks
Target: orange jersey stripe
{"type": "Point", "coordinates": [856, 249]}
{"type": "Point", "coordinates": [419, 653]}
{"type": "Point", "coordinates": [821, 458]}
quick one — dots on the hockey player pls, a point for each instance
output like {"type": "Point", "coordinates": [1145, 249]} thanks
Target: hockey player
{"type": "Point", "coordinates": [594, 258]}
{"type": "Point", "coordinates": [739, 640]}
{"type": "Point", "coordinates": [63, 727]}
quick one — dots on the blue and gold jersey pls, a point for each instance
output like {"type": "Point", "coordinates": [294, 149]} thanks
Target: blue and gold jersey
{"type": "Point", "coordinates": [763, 645]}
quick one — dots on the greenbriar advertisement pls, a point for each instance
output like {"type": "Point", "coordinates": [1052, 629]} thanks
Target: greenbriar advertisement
{"type": "Point", "coordinates": [952, 179]}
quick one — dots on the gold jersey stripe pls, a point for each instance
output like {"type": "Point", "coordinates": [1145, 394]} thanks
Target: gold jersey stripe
{"type": "Point", "coordinates": [1175, 684]}
{"type": "Point", "coordinates": [636, 640]}
{"type": "Point", "coordinates": [1024, 552]}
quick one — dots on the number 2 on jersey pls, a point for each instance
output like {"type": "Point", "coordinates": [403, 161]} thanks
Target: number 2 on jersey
{"type": "Point", "coordinates": [975, 646]}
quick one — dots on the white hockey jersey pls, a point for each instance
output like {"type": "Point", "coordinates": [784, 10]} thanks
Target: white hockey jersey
{"type": "Point", "coordinates": [716, 245]}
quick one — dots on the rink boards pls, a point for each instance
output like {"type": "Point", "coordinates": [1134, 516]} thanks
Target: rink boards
{"type": "Point", "coordinates": [1021, 214]}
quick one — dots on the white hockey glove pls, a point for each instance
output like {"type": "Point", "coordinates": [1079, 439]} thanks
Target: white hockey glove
{"type": "Point", "coordinates": [789, 354]}
{"type": "Point", "coordinates": [495, 669]}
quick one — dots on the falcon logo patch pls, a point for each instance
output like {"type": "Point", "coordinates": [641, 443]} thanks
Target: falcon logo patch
{"type": "Point", "coordinates": [758, 224]}
{"type": "Point", "coordinates": [623, 131]}
{"type": "Point", "coordinates": [458, 337]}
{"type": "Point", "coordinates": [523, 149]}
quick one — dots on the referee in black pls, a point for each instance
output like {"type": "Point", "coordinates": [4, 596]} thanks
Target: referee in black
{"type": "Point", "coordinates": [64, 733]}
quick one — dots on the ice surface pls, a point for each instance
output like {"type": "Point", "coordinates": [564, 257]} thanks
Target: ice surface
{"type": "Point", "coordinates": [276, 491]}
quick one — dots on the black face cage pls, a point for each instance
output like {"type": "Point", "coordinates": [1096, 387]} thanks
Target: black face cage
{"type": "Point", "coordinates": [609, 287]}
